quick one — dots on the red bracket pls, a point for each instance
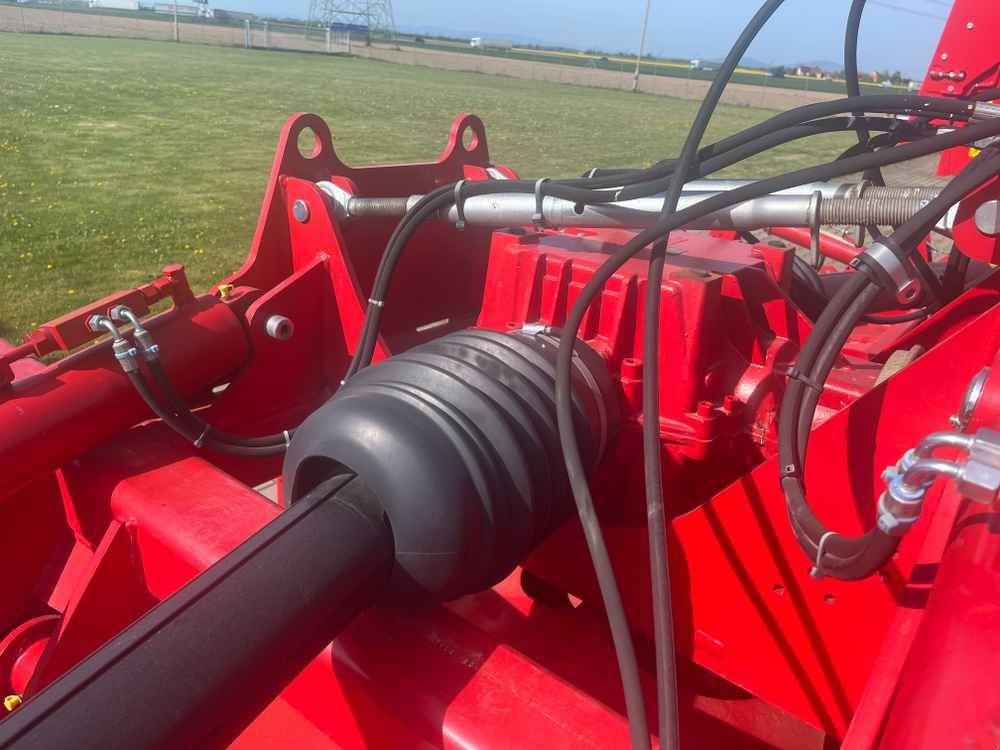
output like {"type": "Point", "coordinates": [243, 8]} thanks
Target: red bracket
{"type": "Point", "coordinates": [70, 331]}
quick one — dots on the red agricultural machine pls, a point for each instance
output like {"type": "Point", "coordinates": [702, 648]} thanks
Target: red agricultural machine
{"type": "Point", "coordinates": [558, 463]}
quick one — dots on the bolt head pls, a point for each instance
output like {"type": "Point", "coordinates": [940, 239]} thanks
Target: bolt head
{"type": "Point", "coordinates": [909, 291]}
{"type": "Point", "coordinates": [988, 218]}
{"type": "Point", "coordinates": [944, 55]}
{"type": "Point", "coordinates": [300, 210]}
{"type": "Point", "coordinates": [970, 25]}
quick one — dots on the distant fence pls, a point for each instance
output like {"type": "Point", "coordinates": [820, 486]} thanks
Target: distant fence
{"type": "Point", "coordinates": [70, 18]}
{"type": "Point", "coordinates": [739, 94]}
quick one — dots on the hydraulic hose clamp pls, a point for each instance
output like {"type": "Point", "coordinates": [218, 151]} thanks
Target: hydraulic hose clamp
{"type": "Point", "coordinates": [538, 218]}
{"type": "Point", "coordinates": [459, 208]}
{"type": "Point", "coordinates": [890, 267]}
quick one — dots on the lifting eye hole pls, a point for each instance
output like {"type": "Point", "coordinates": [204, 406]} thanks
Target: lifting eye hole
{"type": "Point", "coordinates": [308, 143]}
{"type": "Point", "coordinates": [470, 140]}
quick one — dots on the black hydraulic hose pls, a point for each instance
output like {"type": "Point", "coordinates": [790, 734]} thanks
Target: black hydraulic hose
{"type": "Point", "coordinates": [599, 278]}
{"type": "Point", "coordinates": [666, 662]}
{"type": "Point", "coordinates": [198, 426]}
{"type": "Point", "coordinates": [425, 208]}
{"type": "Point", "coordinates": [907, 317]}
{"type": "Point", "coordinates": [955, 272]}
{"type": "Point", "coordinates": [443, 197]}
{"type": "Point", "coordinates": [709, 156]}
{"type": "Point", "coordinates": [758, 189]}
{"type": "Point", "coordinates": [200, 666]}
{"type": "Point", "coordinates": [619, 624]}
{"type": "Point", "coordinates": [986, 95]}
{"type": "Point", "coordinates": [852, 81]}
{"type": "Point", "coordinates": [909, 104]}
{"type": "Point", "coordinates": [185, 429]}
{"type": "Point", "coordinates": [806, 289]}
{"type": "Point", "coordinates": [574, 465]}
{"type": "Point", "coordinates": [880, 141]}
{"type": "Point", "coordinates": [848, 557]}
{"type": "Point", "coordinates": [844, 557]}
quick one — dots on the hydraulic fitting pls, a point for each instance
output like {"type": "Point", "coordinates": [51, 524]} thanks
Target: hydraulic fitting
{"type": "Point", "coordinates": [124, 351]}
{"type": "Point", "coordinates": [979, 479]}
{"type": "Point", "coordinates": [124, 314]}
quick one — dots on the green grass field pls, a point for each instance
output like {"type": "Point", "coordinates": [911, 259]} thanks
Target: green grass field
{"type": "Point", "coordinates": [117, 156]}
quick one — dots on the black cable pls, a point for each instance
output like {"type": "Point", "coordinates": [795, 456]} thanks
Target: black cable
{"type": "Point", "coordinates": [666, 666]}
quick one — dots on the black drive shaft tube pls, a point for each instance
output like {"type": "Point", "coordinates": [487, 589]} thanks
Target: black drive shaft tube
{"type": "Point", "coordinates": [197, 668]}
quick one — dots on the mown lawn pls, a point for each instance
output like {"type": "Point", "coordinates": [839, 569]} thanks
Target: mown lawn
{"type": "Point", "coordinates": [119, 156]}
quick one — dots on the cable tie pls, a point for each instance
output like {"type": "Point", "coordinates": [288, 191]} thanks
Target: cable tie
{"type": "Point", "coordinates": [817, 569]}
{"type": "Point", "coordinates": [459, 208]}
{"type": "Point", "coordinates": [288, 438]}
{"type": "Point", "coordinates": [376, 302]}
{"type": "Point", "coordinates": [201, 438]}
{"type": "Point", "coordinates": [537, 218]}
{"type": "Point", "coordinates": [794, 374]}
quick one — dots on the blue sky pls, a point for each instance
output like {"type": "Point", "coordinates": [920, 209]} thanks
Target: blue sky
{"type": "Point", "coordinates": [896, 34]}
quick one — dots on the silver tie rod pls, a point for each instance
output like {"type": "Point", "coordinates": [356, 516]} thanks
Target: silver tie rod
{"type": "Point", "coordinates": [808, 205]}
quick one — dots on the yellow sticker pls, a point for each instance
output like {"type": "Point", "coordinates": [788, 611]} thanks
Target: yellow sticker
{"type": "Point", "coordinates": [974, 152]}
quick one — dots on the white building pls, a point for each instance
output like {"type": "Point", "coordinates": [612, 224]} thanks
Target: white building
{"type": "Point", "coordinates": [114, 4]}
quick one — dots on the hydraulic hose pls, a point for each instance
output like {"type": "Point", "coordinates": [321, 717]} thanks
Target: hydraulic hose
{"type": "Point", "coordinates": [666, 666]}
{"type": "Point", "coordinates": [574, 465]}
{"type": "Point", "coordinates": [848, 557]}
{"type": "Point", "coordinates": [190, 433]}
{"type": "Point", "coordinates": [200, 427]}
{"type": "Point", "coordinates": [571, 451]}
{"type": "Point", "coordinates": [444, 196]}
{"type": "Point", "coordinates": [852, 81]}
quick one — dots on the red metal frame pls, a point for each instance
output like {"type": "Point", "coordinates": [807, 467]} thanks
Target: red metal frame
{"type": "Point", "coordinates": [106, 515]}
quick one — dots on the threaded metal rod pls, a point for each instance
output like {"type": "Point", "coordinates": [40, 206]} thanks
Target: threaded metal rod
{"type": "Point", "coordinates": [377, 207]}
{"type": "Point", "coordinates": [869, 210]}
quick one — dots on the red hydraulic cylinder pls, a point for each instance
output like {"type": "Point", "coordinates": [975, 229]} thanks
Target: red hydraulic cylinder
{"type": "Point", "coordinates": [51, 417]}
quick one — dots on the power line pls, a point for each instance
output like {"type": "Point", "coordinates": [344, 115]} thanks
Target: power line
{"type": "Point", "coordinates": [911, 11]}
